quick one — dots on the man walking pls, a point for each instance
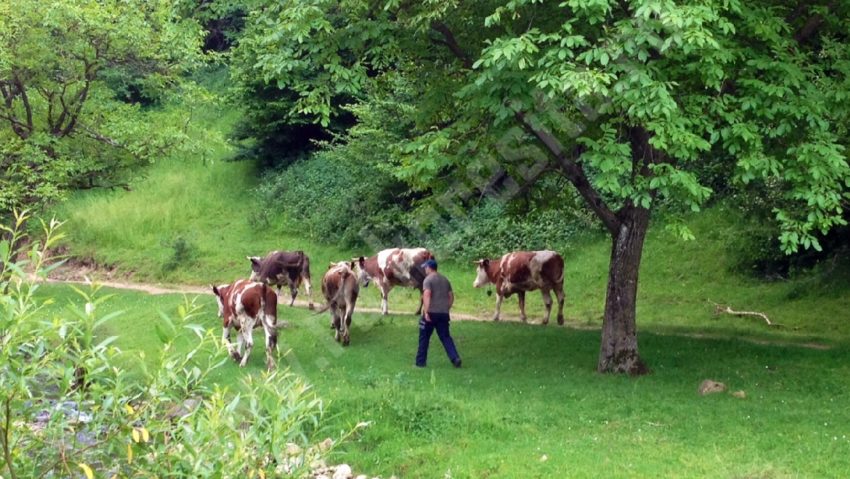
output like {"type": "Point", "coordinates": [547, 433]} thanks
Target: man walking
{"type": "Point", "coordinates": [437, 299]}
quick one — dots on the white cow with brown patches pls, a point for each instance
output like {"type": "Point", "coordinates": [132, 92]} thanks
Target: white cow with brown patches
{"type": "Point", "coordinates": [393, 267]}
{"type": "Point", "coordinates": [243, 306]}
{"type": "Point", "coordinates": [523, 271]}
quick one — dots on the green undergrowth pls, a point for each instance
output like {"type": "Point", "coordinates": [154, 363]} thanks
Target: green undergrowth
{"type": "Point", "coordinates": [528, 402]}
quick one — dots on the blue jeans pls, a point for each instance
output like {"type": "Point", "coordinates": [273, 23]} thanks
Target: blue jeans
{"type": "Point", "coordinates": [440, 322]}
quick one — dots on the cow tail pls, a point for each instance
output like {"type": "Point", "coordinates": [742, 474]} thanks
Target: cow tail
{"type": "Point", "coordinates": [322, 309]}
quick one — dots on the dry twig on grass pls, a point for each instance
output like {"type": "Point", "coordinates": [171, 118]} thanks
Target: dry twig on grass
{"type": "Point", "coordinates": [723, 309]}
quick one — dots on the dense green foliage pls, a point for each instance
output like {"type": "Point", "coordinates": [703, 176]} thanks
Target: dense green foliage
{"type": "Point", "coordinates": [74, 75]}
{"type": "Point", "coordinates": [697, 82]}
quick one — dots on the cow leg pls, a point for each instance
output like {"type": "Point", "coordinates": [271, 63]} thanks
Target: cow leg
{"type": "Point", "coordinates": [521, 297]}
{"type": "Point", "coordinates": [559, 292]}
{"type": "Point", "coordinates": [248, 338]}
{"type": "Point", "coordinates": [385, 293]}
{"type": "Point", "coordinates": [349, 312]}
{"type": "Point", "coordinates": [337, 322]}
{"type": "Point", "coordinates": [225, 338]}
{"type": "Point", "coordinates": [308, 288]}
{"type": "Point", "coordinates": [547, 300]}
{"type": "Point", "coordinates": [271, 344]}
{"type": "Point", "coordinates": [499, 299]}
{"type": "Point", "coordinates": [293, 292]}
{"type": "Point", "coordinates": [421, 300]}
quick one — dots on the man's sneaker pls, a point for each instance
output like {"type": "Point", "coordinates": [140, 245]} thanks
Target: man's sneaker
{"type": "Point", "coordinates": [457, 362]}
{"type": "Point", "coordinates": [419, 365]}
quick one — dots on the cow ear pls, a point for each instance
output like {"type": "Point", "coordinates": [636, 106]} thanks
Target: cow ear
{"type": "Point", "coordinates": [351, 265]}
{"type": "Point", "coordinates": [330, 264]}
{"type": "Point", "coordinates": [215, 291]}
{"type": "Point", "coordinates": [361, 261]}
{"type": "Point", "coordinates": [485, 262]}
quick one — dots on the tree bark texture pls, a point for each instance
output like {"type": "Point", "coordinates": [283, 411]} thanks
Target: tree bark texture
{"type": "Point", "coordinates": [619, 350]}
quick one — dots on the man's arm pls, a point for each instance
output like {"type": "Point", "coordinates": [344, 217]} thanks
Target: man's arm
{"type": "Point", "coordinates": [451, 299]}
{"type": "Point", "coordinates": [426, 304]}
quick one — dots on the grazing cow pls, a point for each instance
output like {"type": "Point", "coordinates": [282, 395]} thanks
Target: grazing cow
{"type": "Point", "coordinates": [393, 267]}
{"type": "Point", "coordinates": [245, 305]}
{"type": "Point", "coordinates": [280, 268]}
{"type": "Point", "coordinates": [340, 288]}
{"type": "Point", "coordinates": [523, 271]}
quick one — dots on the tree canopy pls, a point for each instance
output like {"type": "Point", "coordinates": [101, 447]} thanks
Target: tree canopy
{"type": "Point", "coordinates": [75, 76]}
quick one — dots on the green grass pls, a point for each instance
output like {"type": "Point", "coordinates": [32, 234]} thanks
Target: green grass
{"type": "Point", "coordinates": [526, 392]}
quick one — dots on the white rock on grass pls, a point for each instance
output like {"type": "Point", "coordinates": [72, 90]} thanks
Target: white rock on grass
{"type": "Point", "coordinates": [343, 471]}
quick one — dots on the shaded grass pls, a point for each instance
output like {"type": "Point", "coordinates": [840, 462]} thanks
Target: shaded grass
{"type": "Point", "coordinates": [528, 403]}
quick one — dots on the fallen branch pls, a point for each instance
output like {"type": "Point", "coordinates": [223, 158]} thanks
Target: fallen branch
{"type": "Point", "coordinates": [723, 309]}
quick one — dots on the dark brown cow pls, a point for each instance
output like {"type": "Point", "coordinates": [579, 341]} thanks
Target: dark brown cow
{"type": "Point", "coordinates": [280, 268]}
{"type": "Point", "coordinates": [245, 305]}
{"type": "Point", "coordinates": [393, 267]}
{"type": "Point", "coordinates": [340, 289]}
{"type": "Point", "coordinates": [523, 271]}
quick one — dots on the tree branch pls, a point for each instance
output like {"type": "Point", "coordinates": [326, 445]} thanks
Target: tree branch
{"type": "Point", "coordinates": [451, 43]}
{"type": "Point", "coordinates": [26, 101]}
{"type": "Point", "coordinates": [572, 169]}
{"type": "Point", "coordinates": [723, 309]}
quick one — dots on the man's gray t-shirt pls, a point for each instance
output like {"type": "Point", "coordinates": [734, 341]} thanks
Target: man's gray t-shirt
{"type": "Point", "coordinates": [440, 289]}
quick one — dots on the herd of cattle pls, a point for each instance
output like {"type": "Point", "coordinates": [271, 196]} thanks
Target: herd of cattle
{"type": "Point", "coordinates": [248, 304]}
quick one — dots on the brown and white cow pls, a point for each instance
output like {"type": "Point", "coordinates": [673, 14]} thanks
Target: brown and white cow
{"type": "Point", "coordinates": [340, 289]}
{"type": "Point", "coordinates": [279, 268]}
{"type": "Point", "coordinates": [243, 306]}
{"type": "Point", "coordinates": [393, 267]}
{"type": "Point", "coordinates": [523, 271]}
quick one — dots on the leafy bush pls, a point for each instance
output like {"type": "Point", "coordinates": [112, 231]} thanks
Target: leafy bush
{"type": "Point", "coordinates": [68, 410]}
{"type": "Point", "coordinates": [491, 229]}
{"type": "Point", "coordinates": [332, 198]}
{"type": "Point", "coordinates": [182, 252]}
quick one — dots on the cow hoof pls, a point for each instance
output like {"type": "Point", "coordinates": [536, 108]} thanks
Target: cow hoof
{"type": "Point", "coordinates": [560, 321]}
{"type": "Point", "coordinates": [311, 307]}
{"type": "Point", "coordinates": [236, 357]}
{"type": "Point", "coordinates": [346, 342]}
{"type": "Point", "coordinates": [495, 318]}
{"type": "Point", "coordinates": [523, 319]}
{"type": "Point", "coordinates": [544, 323]}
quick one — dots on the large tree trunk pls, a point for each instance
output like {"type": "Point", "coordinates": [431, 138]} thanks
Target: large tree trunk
{"type": "Point", "coordinates": [619, 350]}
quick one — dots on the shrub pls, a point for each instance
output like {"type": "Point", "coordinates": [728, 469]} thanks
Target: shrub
{"type": "Point", "coordinates": [332, 198]}
{"type": "Point", "coordinates": [68, 410]}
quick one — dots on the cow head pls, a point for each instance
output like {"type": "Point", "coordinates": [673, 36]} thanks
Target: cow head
{"type": "Point", "coordinates": [219, 296]}
{"type": "Point", "coordinates": [482, 277]}
{"type": "Point", "coordinates": [255, 267]}
{"type": "Point", "coordinates": [359, 267]}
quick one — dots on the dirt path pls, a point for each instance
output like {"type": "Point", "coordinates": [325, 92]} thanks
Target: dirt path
{"type": "Point", "coordinates": [188, 289]}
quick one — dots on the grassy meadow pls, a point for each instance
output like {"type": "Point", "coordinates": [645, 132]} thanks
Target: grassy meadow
{"type": "Point", "coordinates": [528, 402]}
